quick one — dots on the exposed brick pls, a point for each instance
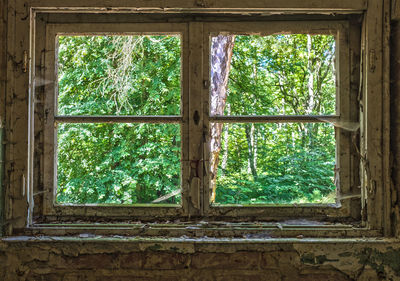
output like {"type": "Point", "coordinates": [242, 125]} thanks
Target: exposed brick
{"type": "Point", "coordinates": [226, 261]}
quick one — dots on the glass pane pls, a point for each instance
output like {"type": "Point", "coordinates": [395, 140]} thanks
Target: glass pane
{"type": "Point", "coordinates": [118, 163]}
{"type": "Point", "coordinates": [285, 74]}
{"type": "Point", "coordinates": [273, 163]}
{"type": "Point", "coordinates": [119, 75]}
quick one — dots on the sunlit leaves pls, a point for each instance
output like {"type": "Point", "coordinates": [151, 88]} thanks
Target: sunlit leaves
{"type": "Point", "coordinates": [270, 75]}
{"type": "Point", "coordinates": [117, 163]}
{"type": "Point", "coordinates": [123, 75]}
{"type": "Point", "coordinates": [279, 163]}
{"type": "Point", "coordinates": [141, 75]}
{"type": "Point", "coordinates": [290, 169]}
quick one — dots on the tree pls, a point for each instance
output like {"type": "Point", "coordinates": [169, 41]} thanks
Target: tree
{"type": "Point", "coordinates": [280, 74]}
{"type": "Point", "coordinates": [221, 55]}
{"type": "Point", "coordinates": [250, 75]}
{"type": "Point", "coordinates": [118, 75]}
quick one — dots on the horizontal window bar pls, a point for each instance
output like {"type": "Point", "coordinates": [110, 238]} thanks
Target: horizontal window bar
{"type": "Point", "coordinates": [275, 119]}
{"type": "Point", "coordinates": [117, 119]}
{"type": "Point", "coordinates": [223, 7]}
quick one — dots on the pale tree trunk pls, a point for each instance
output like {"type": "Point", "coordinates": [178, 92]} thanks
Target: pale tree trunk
{"type": "Point", "coordinates": [255, 141]}
{"type": "Point", "coordinates": [252, 149]}
{"type": "Point", "coordinates": [226, 139]}
{"type": "Point", "coordinates": [310, 86]}
{"type": "Point", "coordinates": [221, 55]}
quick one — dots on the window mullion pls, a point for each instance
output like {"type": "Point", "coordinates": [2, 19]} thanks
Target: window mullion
{"type": "Point", "coordinates": [195, 182]}
{"type": "Point", "coordinates": [50, 146]}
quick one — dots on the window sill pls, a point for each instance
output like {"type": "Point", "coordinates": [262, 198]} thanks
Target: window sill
{"type": "Point", "coordinates": [293, 229]}
{"type": "Point", "coordinates": [164, 243]}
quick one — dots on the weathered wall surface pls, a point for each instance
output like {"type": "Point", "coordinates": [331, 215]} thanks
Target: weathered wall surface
{"type": "Point", "coordinates": [76, 258]}
{"type": "Point", "coordinates": [122, 259]}
{"type": "Point", "coordinates": [395, 122]}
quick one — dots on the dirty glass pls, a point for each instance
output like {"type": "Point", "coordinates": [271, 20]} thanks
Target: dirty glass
{"type": "Point", "coordinates": [119, 75]}
{"type": "Point", "coordinates": [272, 163]}
{"type": "Point", "coordinates": [283, 74]}
{"type": "Point", "coordinates": [118, 163]}
{"type": "Point", "coordinates": [275, 163]}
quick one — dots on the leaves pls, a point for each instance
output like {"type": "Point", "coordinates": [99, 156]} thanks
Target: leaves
{"type": "Point", "coordinates": [279, 163]}
{"type": "Point", "coordinates": [141, 75]}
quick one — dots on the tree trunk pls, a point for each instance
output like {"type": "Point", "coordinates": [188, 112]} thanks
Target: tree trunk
{"type": "Point", "coordinates": [226, 139]}
{"type": "Point", "coordinates": [310, 86]}
{"type": "Point", "coordinates": [310, 70]}
{"type": "Point", "coordinates": [221, 55]}
{"type": "Point", "coordinates": [252, 150]}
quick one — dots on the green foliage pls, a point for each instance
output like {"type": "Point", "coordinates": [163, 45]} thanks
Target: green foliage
{"type": "Point", "coordinates": [270, 75]}
{"type": "Point", "coordinates": [287, 170]}
{"type": "Point", "coordinates": [279, 163]}
{"type": "Point", "coordinates": [141, 75]}
{"type": "Point", "coordinates": [119, 75]}
{"type": "Point", "coordinates": [118, 163]}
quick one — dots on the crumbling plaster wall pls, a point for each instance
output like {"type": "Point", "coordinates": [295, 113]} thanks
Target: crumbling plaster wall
{"type": "Point", "coordinates": [125, 259]}
{"type": "Point", "coordinates": [395, 123]}
{"type": "Point", "coordinates": [77, 258]}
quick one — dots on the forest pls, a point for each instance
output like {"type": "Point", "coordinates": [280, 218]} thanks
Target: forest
{"type": "Point", "coordinates": [250, 163]}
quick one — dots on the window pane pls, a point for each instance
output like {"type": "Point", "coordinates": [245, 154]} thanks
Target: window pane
{"type": "Point", "coordinates": [118, 163]}
{"type": "Point", "coordinates": [119, 75]}
{"type": "Point", "coordinates": [273, 163]}
{"type": "Point", "coordinates": [285, 74]}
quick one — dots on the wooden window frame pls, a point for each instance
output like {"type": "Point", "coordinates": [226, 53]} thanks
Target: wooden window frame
{"type": "Point", "coordinates": [52, 119]}
{"type": "Point", "coordinates": [346, 113]}
{"type": "Point", "coordinates": [195, 203]}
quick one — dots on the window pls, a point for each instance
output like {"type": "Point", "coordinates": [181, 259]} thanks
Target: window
{"type": "Point", "coordinates": [278, 120]}
{"type": "Point", "coordinates": [276, 83]}
{"type": "Point", "coordinates": [125, 126]}
{"type": "Point", "coordinates": [114, 119]}
{"type": "Point", "coordinates": [95, 144]}
{"type": "Point", "coordinates": [118, 162]}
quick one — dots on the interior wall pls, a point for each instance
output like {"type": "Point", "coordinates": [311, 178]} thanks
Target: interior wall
{"type": "Point", "coordinates": [202, 259]}
{"type": "Point", "coordinates": [395, 123]}
{"type": "Point", "coordinates": [118, 258]}
{"type": "Point", "coordinates": [3, 66]}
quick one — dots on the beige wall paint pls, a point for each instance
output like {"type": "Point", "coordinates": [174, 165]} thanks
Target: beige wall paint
{"type": "Point", "coordinates": [118, 258]}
